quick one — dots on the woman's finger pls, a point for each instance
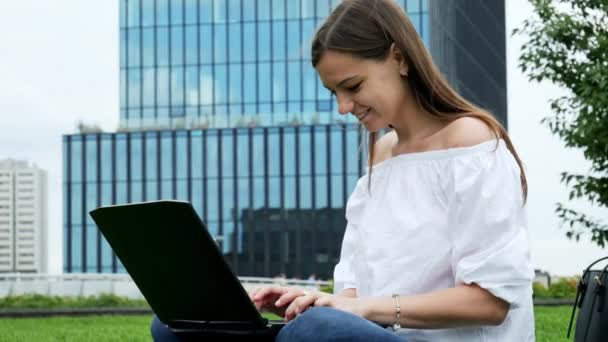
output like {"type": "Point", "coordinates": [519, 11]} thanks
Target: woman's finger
{"type": "Point", "coordinates": [323, 301]}
{"type": "Point", "coordinates": [289, 296]}
{"type": "Point", "coordinates": [299, 305]}
{"type": "Point", "coordinates": [253, 292]}
{"type": "Point", "coordinates": [267, 291]}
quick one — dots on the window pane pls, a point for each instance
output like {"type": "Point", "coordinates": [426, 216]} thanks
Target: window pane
{"type": "Point", "coordinates": [192, 87]}
{"type": "Point", "coordinates": [235, 42]}
{"type": "Point", "coordinates": [413, 6]}
{"type": "Point", "coordinates": [205, 13]}
{"type": "Point", "coordinates": [181, 149]}
{"type": "Point", "coordinates": [206, 85]}
{"type": "Point", "coordinates": [162, 12]}
{"type": "Point", "coordinates": [249, 40]}
{"type": "Point", "coordinates": [234, 10]}
{"type": "Point", "coordinates": [147, 13]}
{"type": "Point", "coordinates": [308, 8]}
{"type": "Point", "coordinates": [279, 9]}
{"type": "Point", "coordinates": [235, 83]}
{"type": "Point", "coordinates": [149, 87]}
{"type": "Point", "coordinates": [219, 11]}
{"type": "Point", "coordinates": [163, 46]}
{"type": "Point", "coordinates": [123, 47]}
{"type": "Point", "coordinates": [322, 8]}
{"type": "Point", "coordinates": [336, 150]}
{"type": "Point", "coordinates": [134, 81]}
{"type": "Point", "coordinates": [221, 84]}
{"type": "Point", "coordinates": [196, 155]}
{"type": "Point", "coordinates": [177, 86]}
{"type": "Point", "coordinates": [136, 157]}
{"type": "Point", "coordinates": [264, 82]}
{"type": "Point", "coordinates": [148, 47]}
{"type": "Point", "coordinates": [177, 45]}
{"type": "Point", "coordinates": [273, 153]}
{"type": "Point", "coordinates": [151, 156]}
{"type": "Point", "coordinates": [289, 152]}
{"type": "Point", "coordinates": [133, 13]}
{"type": "Point", "coordinates": [249, 77]}
{"type": "Point", "coordinates": [91, 159]}
{"type": "Point", "coordinates": [293, 9]}
{"type": "Point", "coordinates": [76, 159]}
{"type": "Point", "coordinates": [295, 81]}
{"type": "Point", "coordinates": [166, 156]}
{"type": "Point", "coordinates": [133, 47]}
{"type": "Point", "coordinates": [248, 10]}
{"type": "Point", "coordinates": [294, 44]}
{"type": "Point", "coordinates": [191, 45]}
{"type": "Point", "coordinates": [220, 38]}
{"type": "Point", "coordinates": [136, 191]}
{"type": "Point", "coordinates": [279, 44]}
{"type": "Point", "coordinates": [106, 159]}
{"type": "Point", "coordinates": [121, 157]}
{"type": "Point", "coordinates": [191, 11]}
{"type": "Point", "coordinates": [177, 14]}
{"type": "Point", "coordinates": [123, 20]}
{"type": "Point", "coordinates": [162, 86]}
{"type": "Point", "coordinates": [77, 248]}
{"type": "Point", "coordinates": [258, 153]}
{"type": "Point", "coordinates": [264, 41]}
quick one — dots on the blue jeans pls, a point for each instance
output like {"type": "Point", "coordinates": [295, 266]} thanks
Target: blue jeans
{"type": "Point", "coordinates": [317, 324]}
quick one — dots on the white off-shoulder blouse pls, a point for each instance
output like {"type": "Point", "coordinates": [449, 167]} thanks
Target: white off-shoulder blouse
{"type": "Point", "coordinates": [437, 219]}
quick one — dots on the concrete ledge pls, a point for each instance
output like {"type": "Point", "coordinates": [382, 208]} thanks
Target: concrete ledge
{"type": "Point", "coordinates": [74, 312]}
{"type": "Point", "coordinates": [30, 313]}
{"type": "Point", "coordinates": [554, 302]}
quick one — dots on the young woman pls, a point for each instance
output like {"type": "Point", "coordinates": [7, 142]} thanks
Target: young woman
{"type": "Point", "coordinates": [436, 245]}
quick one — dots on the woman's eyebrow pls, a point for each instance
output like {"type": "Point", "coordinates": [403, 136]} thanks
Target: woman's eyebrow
{"type": "Point", "coordinates": [341, 82]}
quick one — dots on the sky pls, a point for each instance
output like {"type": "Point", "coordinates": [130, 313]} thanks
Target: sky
{"type": "Point", "coordinates": [59, 64]}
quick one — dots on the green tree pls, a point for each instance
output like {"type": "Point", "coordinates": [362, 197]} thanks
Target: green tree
{"type": "Point", "coordinates": [567, 44]}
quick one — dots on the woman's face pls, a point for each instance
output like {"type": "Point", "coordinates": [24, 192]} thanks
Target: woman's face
{"type": "Point", "coordinates": [373, 91]}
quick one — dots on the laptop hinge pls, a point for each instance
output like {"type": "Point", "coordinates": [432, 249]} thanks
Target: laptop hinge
{"type": "Point", "coordinates": [216, 325]}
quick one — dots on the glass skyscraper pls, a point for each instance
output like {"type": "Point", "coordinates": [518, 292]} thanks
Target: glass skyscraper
{"type": "Point", "coordinates": [220, 106]}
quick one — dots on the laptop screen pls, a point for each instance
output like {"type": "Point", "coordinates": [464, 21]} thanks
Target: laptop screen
{"type": "Point", "coordinates": [175, 262]}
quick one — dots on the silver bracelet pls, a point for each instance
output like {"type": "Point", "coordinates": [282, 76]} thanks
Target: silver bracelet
{"type": "Point", "coordinates": [397, 325]}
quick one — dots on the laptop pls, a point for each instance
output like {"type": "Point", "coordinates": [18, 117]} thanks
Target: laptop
{"type": "Point", "coordinates": [180, 271]}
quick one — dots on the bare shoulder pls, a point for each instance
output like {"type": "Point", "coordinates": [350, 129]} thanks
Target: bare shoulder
{"type": "Point", "coordinates": [467, 131]}
{"type": "Point", "coordinates": [383, 147]}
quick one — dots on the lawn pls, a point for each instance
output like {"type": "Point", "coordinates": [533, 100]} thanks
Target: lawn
{"type": "Point", "coordinates": [551, 326]}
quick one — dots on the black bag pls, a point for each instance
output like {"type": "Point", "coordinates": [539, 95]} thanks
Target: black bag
{"type": "Point", "coordinates": [591, 299]}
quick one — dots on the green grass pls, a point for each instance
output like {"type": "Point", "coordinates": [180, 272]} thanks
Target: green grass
{"type": "Point", "coordinates": [97, 328]}
{"type": "Point", "coordinates": [552, 323]}
{"type": "Point", "coordinates": [551, 326]}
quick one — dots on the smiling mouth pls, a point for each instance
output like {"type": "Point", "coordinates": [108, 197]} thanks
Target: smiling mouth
{"type": "Point", "coordinates": [362, 116]}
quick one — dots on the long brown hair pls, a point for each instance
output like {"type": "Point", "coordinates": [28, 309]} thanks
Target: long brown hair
{"type": "Point", "coordinates": [367, 29]}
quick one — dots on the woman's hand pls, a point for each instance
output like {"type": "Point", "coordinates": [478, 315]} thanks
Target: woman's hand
{"type": "Point", "coordinates": [280, 300]}
{"type": "Point", "coordinates": [265, 298]}
{"type": "Point", "coordinates": [348, 304]}
{"type": "Point", "coordinates": [299, 301]}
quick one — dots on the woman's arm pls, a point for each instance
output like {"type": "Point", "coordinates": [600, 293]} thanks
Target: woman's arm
{"type": "Point", "coordinates": [463, 305]}
{"type": "Point", "coordinates": [352, 293]}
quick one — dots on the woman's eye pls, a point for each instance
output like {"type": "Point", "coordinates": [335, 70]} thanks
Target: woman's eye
{"type": "Point", "coordinates": [354, 88]}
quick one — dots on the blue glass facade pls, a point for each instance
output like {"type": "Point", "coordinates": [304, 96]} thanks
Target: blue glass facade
{"type": "Point", "coordinates": [225, 63]}
{"type": "Point", "coordinates": [249, 184]}
{"type": "Point", "coordinates": [219, 106]}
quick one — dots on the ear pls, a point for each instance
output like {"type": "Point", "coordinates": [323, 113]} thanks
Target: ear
{"type": "Point", "coordinates": [399, 59]}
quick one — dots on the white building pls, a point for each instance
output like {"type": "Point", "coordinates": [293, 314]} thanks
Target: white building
{"type": "Point", "coordinates": [23, 217]}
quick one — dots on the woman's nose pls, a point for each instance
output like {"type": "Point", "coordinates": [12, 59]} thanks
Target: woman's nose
{"type": "Point", "coordinates": [345, 105]}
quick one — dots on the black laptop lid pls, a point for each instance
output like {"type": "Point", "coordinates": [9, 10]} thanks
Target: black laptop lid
{"type": "Point", "coordinates": [176, 264]}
